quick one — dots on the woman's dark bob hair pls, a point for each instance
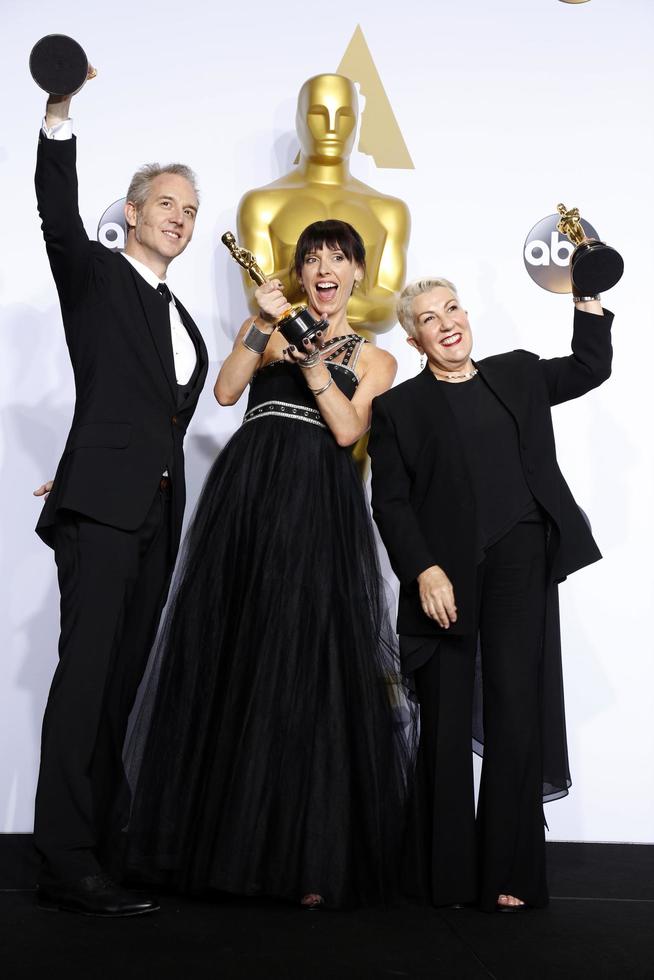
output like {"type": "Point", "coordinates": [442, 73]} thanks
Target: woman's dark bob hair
{"type": "Point", "coordinates": [333, 234]}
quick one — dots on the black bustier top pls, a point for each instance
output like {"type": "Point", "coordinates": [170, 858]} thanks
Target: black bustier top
{"type": "Point", "coordinates": [279, 389]}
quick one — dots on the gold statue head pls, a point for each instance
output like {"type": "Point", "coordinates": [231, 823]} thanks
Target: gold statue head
{"type": "Point", "coordinates": [326, 121]}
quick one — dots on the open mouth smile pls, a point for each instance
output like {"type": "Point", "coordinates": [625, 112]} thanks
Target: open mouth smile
{"type": "Point", "coordinates": [326, 290]}
{"type": "Point", "coordinates": [452, 340]}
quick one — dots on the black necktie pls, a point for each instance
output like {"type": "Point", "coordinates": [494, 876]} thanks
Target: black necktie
{"type": "Point", "coordinates": [163, 290]}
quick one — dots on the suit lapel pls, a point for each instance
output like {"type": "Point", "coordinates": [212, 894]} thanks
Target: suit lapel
{"type": "Point", "coordinates": [430, 416]}
{"type": "Point", "coordinates": [200, 350]}
{"type": "Point", "coordinates": [158, 321]}
{"type": "Point", "coordinates": [438, 447]}
{"type": "Point", "coordinates": [490, 370]}
{"type": "Point", "coordinates": [426, 385]}
{"type": "Point", "coordinates": [428, 392]}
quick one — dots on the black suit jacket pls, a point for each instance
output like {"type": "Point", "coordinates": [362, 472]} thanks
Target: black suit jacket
{"type": "Point", "coordinates": [127, 425]}
{"type": "Point", "coordinates": [422, 497]}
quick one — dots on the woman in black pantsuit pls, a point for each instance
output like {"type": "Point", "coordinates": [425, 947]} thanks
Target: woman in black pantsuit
{"type": "Point", "coordinates": [480, 527]}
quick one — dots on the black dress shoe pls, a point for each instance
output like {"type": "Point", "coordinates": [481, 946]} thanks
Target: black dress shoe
{"type": "Point", "coordinates": [93, 895]}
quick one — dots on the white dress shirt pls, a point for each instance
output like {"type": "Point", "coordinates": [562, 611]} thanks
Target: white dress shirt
{"type": "Point", "coordinates": [183, 347]}
{"type": "Point", "coordinates": [62, 131]}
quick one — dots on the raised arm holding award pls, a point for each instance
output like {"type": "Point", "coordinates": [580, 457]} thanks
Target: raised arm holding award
{"type": "Point", "coordinates": [297, 324]}
{"type": "Point", "coordinates": [594, 266]}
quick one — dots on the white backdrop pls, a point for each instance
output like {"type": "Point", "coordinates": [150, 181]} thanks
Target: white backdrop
{"type": "Point", "coordinates": [507, 107]}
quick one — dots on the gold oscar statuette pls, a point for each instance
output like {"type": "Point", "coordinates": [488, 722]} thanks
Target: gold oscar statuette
{"type": "Point", "coordinates": [297, 324]}
{"type": "Point", "coordinates": [594, 265]}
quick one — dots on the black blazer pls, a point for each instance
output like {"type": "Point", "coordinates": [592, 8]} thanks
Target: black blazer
{"type": "Point", "coordinates": [422, 497]}
{"type": "Point", "coordinates": [128, 425]}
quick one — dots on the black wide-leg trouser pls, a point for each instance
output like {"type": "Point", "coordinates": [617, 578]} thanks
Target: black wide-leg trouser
{"type": "Point", "coordinates": [113, 584]}
{"type": "Point", "coordinates": [450, 858]}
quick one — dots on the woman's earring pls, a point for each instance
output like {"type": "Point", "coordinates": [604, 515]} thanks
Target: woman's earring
{"type": "Point", "coordinates": [423, 361]}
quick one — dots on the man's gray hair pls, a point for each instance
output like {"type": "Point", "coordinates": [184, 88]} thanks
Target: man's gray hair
{"type": "Point", "coordinates": [409, 293]}
{"type": "Point", "coordinates": [141, 183]}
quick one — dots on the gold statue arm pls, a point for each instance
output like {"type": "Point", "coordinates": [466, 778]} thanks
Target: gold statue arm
{"type": "Point", "coordinates": [372, 311]}
{"type": "Point", "coordinates": [253, 232]}
{"type": "Point", "coordinates": [255, 237]}
{"type": "Point", "coordinates": [375, 305]}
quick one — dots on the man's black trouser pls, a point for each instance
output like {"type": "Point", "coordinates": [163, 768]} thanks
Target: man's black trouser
{"type": "Point", "coordinates": [449, 858]}
{"type": "Point", "coordinates": [113, 584]}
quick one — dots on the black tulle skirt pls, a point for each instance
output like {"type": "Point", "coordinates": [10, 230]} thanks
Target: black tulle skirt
{"type": "Point", "coordinates": [266, 754]}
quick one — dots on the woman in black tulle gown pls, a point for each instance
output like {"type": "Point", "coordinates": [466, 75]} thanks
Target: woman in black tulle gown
{"type": "Point", "coordinates": [265, 758]}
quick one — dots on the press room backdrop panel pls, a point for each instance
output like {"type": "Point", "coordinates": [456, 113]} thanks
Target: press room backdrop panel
{"type": "Point", "coordinates": [506, 107]}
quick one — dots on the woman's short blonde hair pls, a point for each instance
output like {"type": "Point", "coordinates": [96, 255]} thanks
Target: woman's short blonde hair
{"type": "Point", "coordinates": [409, 293]}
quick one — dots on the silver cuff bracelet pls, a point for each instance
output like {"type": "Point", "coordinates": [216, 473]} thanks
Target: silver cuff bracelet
{"type": "Point", "coordinates": [256, 340]}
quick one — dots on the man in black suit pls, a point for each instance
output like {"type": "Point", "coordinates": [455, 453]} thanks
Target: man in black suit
{"type": "Point", "coordinates": [480, 527]}
{"type": "Point", "coordinates": [114, 516]}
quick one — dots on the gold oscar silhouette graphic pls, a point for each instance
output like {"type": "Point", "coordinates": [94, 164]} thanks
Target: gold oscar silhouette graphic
{"type": "Point", "coordinates": [271, 218]}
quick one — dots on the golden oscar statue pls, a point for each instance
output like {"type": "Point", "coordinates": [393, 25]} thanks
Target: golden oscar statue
{"type": "Point", "coordinates": [271, 218]}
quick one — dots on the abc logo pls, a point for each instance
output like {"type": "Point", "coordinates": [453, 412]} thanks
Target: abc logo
{"type": "Point", "coordinates": [547, 254]}
{"type": "Point", "coordinates": [112, 230]}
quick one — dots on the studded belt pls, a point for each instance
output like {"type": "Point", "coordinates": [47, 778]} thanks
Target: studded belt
{"type": "Point", "coordinates": [285, 410]}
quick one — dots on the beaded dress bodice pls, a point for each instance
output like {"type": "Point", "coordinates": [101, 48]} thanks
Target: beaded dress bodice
{"type": "Point", "coordinates": [280, 390]}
